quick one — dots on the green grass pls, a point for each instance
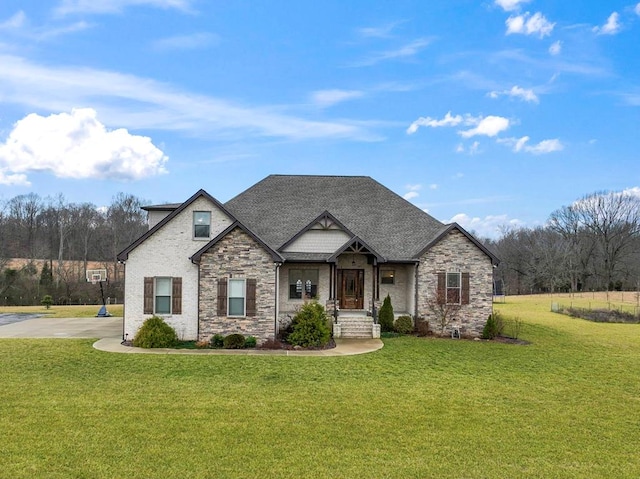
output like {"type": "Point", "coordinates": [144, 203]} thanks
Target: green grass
{"type": "Point", "coordinates": [86, 311]}
{"type": "Point", "coordinates": [565, 406]}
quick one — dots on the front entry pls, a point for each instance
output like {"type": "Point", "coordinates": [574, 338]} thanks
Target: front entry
{"type": "Point", "coordinates": [351, 288]}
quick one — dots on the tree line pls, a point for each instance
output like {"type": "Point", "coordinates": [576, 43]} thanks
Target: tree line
{"type": "Point", "coordinates": [56, 241]}
{"type": "Point", "coordinates": [590, 245]}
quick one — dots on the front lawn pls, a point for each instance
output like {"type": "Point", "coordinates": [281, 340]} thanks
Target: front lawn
{"type": "Point", "coordinates": [56, 311]}
{"type": "Point", "coordinates": [565, 406]}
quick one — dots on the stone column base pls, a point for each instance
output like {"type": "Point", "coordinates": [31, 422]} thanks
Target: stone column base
{"type": "Point", "coordinates": [337, 330]}
{"type": "Point", "coordinates": [375, 332]}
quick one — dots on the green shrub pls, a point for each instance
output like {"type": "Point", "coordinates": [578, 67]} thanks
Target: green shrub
{"type": "Point", "coordinates": [155, 333]}
{"type": "Point", "coordinates": [403, 325]}
{"type": "Point", "coordinates": [217, 341]}
{"type": "Point", "coordinates": [493, 327]}
{"type": "Point", "coordinates": [234, 341]}
{"type": "Point", "coordinates": [309, 327]}
{"type": "Point", "coordinates": [47, 300]}
{"type": "Point", "coordinates": [385, 316]}
{"type": "Point", "coordinates": [250, 342]}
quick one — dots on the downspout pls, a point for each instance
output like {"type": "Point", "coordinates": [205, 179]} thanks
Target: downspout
{"type": "Point", "coordinates": [124, 281]}
{"type": "Point", "coordinates": [415, 294]}
{"type": "Point", "coordinates": [277, 302]}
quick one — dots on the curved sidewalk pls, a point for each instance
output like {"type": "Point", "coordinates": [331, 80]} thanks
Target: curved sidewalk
{"type": "Point", "coordinates": [344, 347]}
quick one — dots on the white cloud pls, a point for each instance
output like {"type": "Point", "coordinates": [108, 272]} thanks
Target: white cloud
{"type": "Point", "coordinates": [13, 179]}
{"type": "Point", "coordinates": [410, 195]}
{"type": "Point", "coordinates": [520, 144]}
{"type": "Point", "coordinates": [487, 126]}
{"type": "Point", "coordinates": [141, 103]}
{"type": "Point", "coordinates": [635, 190]}
{"type": "Point", "coordinates": [326, 98]}
{"type": "Point", "coordinates": [383, 31]}
{"type": "Point", "coordinates": [474, 148]}
{"type": "Point", "coordinates": [488, 227]}
{"type": "Point", "coordinates": [611, 27]}
{"type": "Point", "coordinates": [510, 5]}
{"type": "Point", "coordinates": [16, 21]}
{"type": "Point", "coordinates": [460, 148]}
{"type": "Point", "coordinates": [186, 42]}
{"type": "Point", "coordinates": [413, 191]}
{"type": "Point", "coordinates": [527, 24]}
{"type": "Point", "coordinates": [406, 51]}
{"type": "Point", "coordinates": [433, 186]}
{"type": "Point", "coordinates": [637, 9]}
{"type": "Point", "coordinates": [555, 48]}
{"type": "Point", "coordinates": [517, 92]}
{"type": "Point", "coordinates": [448, 120]}
{"type": "Point", "coordinates": [77, 145]}
{"type": "Point", "coordinates": [116, 6]}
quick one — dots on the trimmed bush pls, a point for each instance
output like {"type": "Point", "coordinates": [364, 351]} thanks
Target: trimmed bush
{"type": "Point", "coordinates": [309, 327]}
{"type": "Point", "coordinates": [385, 316]}
{"type": "Point", "coordinates": [403, 325]}
{"type": "Point", "coordinates": [47, 300]}
{"type": "Point", "coordinates": [155, 333]}
{"type": "Point", "coordinates": [234, 341]}
{"type": "Point", "coordinates": [217, 341]}
{"type": "Point", "coordinates": [250, 342]}
{"type": "Point", "coordinates": [493, 327]}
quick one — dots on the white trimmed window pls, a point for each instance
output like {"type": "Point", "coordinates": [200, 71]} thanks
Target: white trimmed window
{"type": "Point", "coordinates": [162, 295]}
{"type": "Point", "coordinates": [237, 297]}
{"type": "Point", "coordinates": [201, 224]}
{"type": "Point", "coordinates": [454, 288]}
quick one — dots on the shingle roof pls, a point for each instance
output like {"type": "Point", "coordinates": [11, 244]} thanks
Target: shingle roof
{"type": "Point", "coordinates": [280, 206]}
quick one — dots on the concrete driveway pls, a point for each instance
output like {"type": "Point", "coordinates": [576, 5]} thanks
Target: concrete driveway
{"type": "Point", "coordinates": [63, 328]}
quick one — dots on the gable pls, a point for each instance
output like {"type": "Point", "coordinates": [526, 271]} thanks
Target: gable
{"type": "Point", "coordinates": [176, 230]}
{"type": "Point", "coordinates": [317, 241]}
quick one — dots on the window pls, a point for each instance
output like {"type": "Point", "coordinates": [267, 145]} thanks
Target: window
{"type": "Point", "coordinates": [387, 276]}
{"type": "Point", "coordinates": [236, 297]}
{"type": "Point", "coordinates": [201, 224]}
{"type": "Point", "coordinates": [162, 295]}
{"type": "Point", "coordinates": [454, 287]}
{"type": "Point", "coordinates": [303, 281]}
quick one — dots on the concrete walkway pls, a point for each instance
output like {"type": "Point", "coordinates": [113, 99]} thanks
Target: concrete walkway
{"type": "Point", "coordinates": [110, 330]}
{"type": "Point", "coordinates": [344, 347]}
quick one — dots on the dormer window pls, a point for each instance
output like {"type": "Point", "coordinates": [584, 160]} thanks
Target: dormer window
{"type": "Point", "coordinates": [201, 224]}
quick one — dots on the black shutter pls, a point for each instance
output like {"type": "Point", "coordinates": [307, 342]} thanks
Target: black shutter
{"type": "Point", "coordinates": [222, 297]}
{"type": "Point", "coordinates": [441, 292]}
{"type": "Point", "coordinates": [251, 297]}
{"type": "Point", "coordinates": [176, 296]}
{"type": "Point", "coordinates": [465, 288]}
{"type": "Point", "coordinates": [148, 296]}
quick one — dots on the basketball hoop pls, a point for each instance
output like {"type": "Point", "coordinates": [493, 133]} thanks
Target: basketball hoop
{"type": "Point", "coordinates": [95, 276]}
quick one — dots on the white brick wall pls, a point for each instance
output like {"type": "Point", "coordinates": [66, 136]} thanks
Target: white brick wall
{"type": "Point", "coordinates": [167, 253]}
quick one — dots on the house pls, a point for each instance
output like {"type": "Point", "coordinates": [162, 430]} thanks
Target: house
{"type": "Point", "coordinates": [348, 241]}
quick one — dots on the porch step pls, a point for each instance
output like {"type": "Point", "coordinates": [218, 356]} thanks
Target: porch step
{"type": "Point", "coordinates": [356, 326]}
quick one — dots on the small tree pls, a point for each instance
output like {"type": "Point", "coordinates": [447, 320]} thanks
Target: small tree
{"type": "Point", "coordinates": [385, 315]}
{"type": "Point", "coordinates": [47, 301]}
{"type": "Point", "coordinates": [445, 313]}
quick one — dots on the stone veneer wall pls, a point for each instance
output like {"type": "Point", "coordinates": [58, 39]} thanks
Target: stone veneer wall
{"type": "Point", "coordinates": [456, 253]}
{"type": "Point", "coordinates": [239, 256]}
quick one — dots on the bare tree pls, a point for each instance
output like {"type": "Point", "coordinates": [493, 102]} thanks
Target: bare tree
{"type": "Point", "coordinates": [445, 312]}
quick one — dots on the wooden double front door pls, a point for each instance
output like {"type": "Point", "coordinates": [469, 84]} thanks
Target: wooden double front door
{"type": "Point", "coordinates": [351, 288]}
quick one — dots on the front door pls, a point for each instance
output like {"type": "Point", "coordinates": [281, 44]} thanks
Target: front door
{"type": "Point", "coordinates": [351, 288]}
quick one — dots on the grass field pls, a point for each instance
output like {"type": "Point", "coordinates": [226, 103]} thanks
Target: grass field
{"type": "Point", "coordinates": [87, 311]}
{"type": "Point", "coordinates": [565, 406]}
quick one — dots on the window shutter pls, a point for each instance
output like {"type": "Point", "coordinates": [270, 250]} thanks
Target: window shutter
{"type": "Point", "coordinates": [251, 297]}
{"type": "Point", "coordinates": [465, 288]}
{"type": "Point", "coordinates": [441, 292]}
{"type": "Point", "coordinates": [148, 296]}
{"type": "Point", "coordinates": [176, 296]}
{"type": "Point", "coordinates": [222, 297]}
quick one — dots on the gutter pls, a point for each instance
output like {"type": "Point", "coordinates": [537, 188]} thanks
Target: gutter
{"type": "Point", "coordinates": [415, 294]}
{"type": "Point", "coordinates": [277, 300]}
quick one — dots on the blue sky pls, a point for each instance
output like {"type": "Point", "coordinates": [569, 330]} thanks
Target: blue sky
{"type": "Point", "coordinates": [489, 113]}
